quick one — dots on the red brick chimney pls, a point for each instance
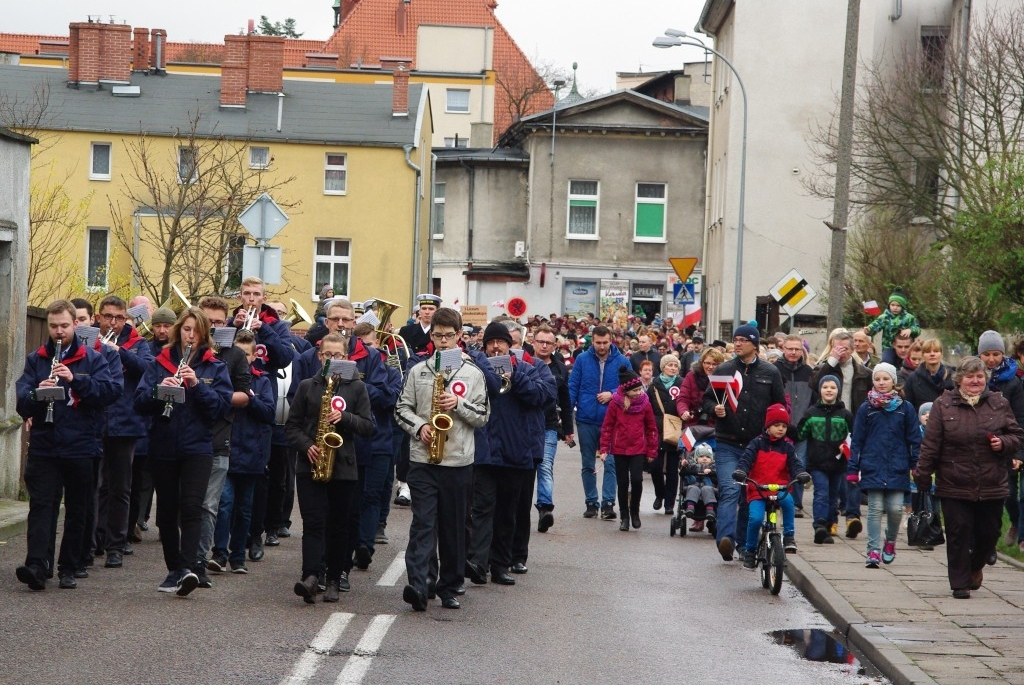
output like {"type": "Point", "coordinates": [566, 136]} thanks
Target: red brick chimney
{"type": "Point", "coordinates": [400, 93]}
{"type": "Point", "coordinates": [252, 64]}
{"type": "Point", "coordinates": [84, 55]}
{"type": "Point", "coordinates": [158, 51]}
{"type": "Point", "coordinates": [140, 50]}
{"type": "Point", "coordinates": [115, 52]}
{"type": "Point", "coordinates": [234, 71]}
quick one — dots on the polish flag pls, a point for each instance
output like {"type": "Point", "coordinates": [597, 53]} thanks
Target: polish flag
{"type": "Point", "coordinates": [871, 307]}
{"type": "Point", "coordinates": [691, 315]}
{"type": "Point", "coordinates": [687, 440]}
{"type": "Point", "coordinates": [733, 390]}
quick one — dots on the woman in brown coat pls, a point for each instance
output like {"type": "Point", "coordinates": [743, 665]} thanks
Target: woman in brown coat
{"type": "Point", "coordinates": [970, 439]}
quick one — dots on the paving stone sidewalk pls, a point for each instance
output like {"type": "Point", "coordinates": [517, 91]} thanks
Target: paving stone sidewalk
{"type": "Point", "coordinates": [903, 617]}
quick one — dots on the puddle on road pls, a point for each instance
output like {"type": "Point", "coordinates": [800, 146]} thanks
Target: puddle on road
{"type": "Point", "coordinates": [826, 646]}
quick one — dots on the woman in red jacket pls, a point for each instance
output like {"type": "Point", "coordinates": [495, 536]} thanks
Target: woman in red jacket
{"type": "Point", "coordinates": [630, 434]}
{"type": "Point", "coordinates": [691, 396]}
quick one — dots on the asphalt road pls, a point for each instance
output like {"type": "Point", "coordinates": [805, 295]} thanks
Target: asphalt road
{"type": "Point", "coordinates": [597, 606]}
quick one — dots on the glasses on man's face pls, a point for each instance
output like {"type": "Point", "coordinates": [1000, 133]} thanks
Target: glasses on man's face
{"type": "Point", "coordinates": [443, 336]}
{"type": "Point", "coordinates": [218, 323]}
{"type": "Point", "coordinates": [543, 342]}
{"type": "Point", "coordinates": [336, 355]}
{"type": "Point", "coordinates": [120, 318]}
{"type": "Point", "coordinates": [281, 313]}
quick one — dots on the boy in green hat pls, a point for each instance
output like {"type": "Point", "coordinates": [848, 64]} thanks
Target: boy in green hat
{"type": "Point", "coordinates": [894, 322]}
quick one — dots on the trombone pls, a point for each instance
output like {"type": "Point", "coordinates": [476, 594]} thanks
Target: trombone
{"type": "Point", "coordinates": [393, 344]}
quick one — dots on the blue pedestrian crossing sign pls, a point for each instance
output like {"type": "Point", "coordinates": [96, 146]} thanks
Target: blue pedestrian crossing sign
{"type": "Point", "coordinates": [683, 293]}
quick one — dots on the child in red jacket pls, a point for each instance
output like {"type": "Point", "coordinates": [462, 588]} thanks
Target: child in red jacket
{"type": "Point", "coordinates": [630, 434]}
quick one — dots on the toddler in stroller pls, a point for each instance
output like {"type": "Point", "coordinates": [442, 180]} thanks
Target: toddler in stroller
{"type": "Point", "coordinates": [698, 492]}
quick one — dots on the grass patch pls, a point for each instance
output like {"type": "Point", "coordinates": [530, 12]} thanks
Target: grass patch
{"type": "Point", "coordinates": [1011, 550]}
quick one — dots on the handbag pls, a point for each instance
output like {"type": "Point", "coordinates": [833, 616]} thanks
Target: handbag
{"type": "Point", "coordinates": [924, 528]}
{"type": "Point", "coordinates": [671, 425]}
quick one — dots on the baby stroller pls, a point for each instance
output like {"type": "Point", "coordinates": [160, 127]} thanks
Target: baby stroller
{"type": "Point", "coordinates": [688, 476]}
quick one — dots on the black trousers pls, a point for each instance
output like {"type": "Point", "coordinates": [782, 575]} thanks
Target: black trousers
{"type": "Point", "coordinates": [326, 510]}
{"type": "Point", "coordinates": [496, 494]}
{"type": "Point", "coordinates": [665, 474]}
{"type": "Point", "coordinates": [141, 500]}
{"type": "Point", "coordinates": [92, 506]}
{"type": "Point", "coordinates": [115, 490]}
{"type": "Point", "coordinates": [180, 490]}
{"type": "Point", "coordinates": [46, 478]}
{"type": "Point", "coordinates": [972, 529]}
{"type": "Point", "coordinates": [402, 463]}
{"type": "Point", "coordinates": [280, 489]}
{"type": "Point", "coordinates": [438, 525]}
{"type": "Point", "coordinates": [521, 536]}
{"type": "Point", "coordinates": [629, 473]}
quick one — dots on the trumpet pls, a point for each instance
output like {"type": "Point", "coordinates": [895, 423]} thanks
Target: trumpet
{"type": "Point", "coordinates": [109, 337]}
{"type": "Point", "coordinates": [250, 318]}
{"type": "Point", "coordinates": [169, 404]}
{"type": "Point", "coordinates": [53, 377]}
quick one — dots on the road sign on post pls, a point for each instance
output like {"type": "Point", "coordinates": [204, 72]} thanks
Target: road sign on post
{"type": "Point", "coordinates": [264, 219]}
{"type": "Point", "coordinates": [683, 266]}
{"type": "Point", "coordinates": [793, 292]}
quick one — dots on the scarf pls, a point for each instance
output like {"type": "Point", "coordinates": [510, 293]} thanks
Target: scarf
{"type": "Point", "coordinates": [666, 381]}
{"type": "Point", "coordinates": [970, 399]}
{"type": "Point", "coordinates": [701, 379]}
{"type": "Point", "coordinates": [884, 400]}
{"type": "Point", "coordinates": [636, 404]}
{"type": "Point", "coordinates": [1007, 370]}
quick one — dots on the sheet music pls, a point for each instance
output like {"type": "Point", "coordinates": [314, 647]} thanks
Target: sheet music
{"type": "Point", "coordinates": [451, 359]}
{"type": "Point", "coordinates": [344, 368]}
{"type": "Point", "coordinates": [370, 318]}
{"type": "Point", "coordinates": [224, 336]}
{"type": "Point", "coordinates": [87, 334]}
{"type": "Point", "coordinates": [502, 364]}
{"type": "Point", "coordinates": [139, 312]}
{"type": "Point", "coordinates": [518, 353]}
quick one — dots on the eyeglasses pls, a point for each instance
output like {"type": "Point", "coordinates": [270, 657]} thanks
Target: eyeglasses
{"type": "Point", "coordinates": [336, 355]}
{"type": "Point", "coordinates": [343, 319]}
{"type": "Point", "coordinates": [443, 336]}
{"type": "Point", "coordinates": [543, 342]}
{"type": "Point", "coordinates": [281, 313]}
{"type": "Point", "coordinates": [218, 323]}
{"type": "Point", "coordinates": [120, 318]}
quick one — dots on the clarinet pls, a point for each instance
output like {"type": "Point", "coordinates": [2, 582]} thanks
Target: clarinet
{"type": "Point", "coordinates": [53, 377]}
{"type": "Point", "coordinates": [169, 405]}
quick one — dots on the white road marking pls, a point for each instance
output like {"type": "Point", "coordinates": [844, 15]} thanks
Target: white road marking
{"type": "Point", "coordinates": [310, 661]}
{"type": "Point", "coordinates": [359, 663]}
{"type": "Point", "coordinates": [394, 572]}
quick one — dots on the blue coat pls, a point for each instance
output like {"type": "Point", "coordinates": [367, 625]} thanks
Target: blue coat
{"type": "Point", "coordinates": [134, 357]}
{"type": "Point", "coordinates": [75, 431]}
{"type": "Point", "coordinates": [250, 430]}
{"type": "Point", "coordinates": [884, 446]}
{"type": "Point", "coordinates": [515, 429]}
{"type": "Point", "coordinates": [189, 430]}
{"type": "Point", "coordinates": [585, 382]}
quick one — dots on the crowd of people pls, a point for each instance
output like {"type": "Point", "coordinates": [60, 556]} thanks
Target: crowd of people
{"type": "Point", "coordinates": [230, 417]}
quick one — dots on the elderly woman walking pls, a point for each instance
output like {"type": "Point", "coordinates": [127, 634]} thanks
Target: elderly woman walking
{"type": "Point", "coordinates": [970, 439]}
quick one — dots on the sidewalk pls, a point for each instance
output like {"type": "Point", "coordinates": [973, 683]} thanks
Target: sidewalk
{"type": "Point", "coordinates": [903, 617]}
{"type": "Point", "coordinates": [13, 517]}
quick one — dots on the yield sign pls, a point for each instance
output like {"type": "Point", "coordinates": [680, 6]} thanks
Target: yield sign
{"type": "Point", "coordinates": [683, 266]}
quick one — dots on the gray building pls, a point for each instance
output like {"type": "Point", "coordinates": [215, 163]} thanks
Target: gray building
{"type": "Point", "coordinates": [579, 208]}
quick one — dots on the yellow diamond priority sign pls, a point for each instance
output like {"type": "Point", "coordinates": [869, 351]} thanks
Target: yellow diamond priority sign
{"type": "Point", "coordinates": [792, 292]}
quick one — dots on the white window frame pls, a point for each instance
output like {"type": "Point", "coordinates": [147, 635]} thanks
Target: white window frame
{"type": "Point", "coordinates": [438, 204]}
{"type": "Point", "coordinates": [91, 287]}
{"type": "Point", "coordinates": [596, 198]}
{"type": "Point", "coordinates": [448, 100]}
{"type": "Point", "coordinates": [256, 164]}
{"type": "Point", "coordinates": [93, 174]}
{"type": "Point", "coordinates": [663, 201]}
{"type": "Point", "coordinates": [331, 259]}
{"type": "Point", "coordinates": [182, 149]}
{"type": "Point", "coordinates": [343, 168]}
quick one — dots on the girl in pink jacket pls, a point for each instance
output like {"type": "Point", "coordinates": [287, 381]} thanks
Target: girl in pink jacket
{"type": "Point", "coordinates": [629, 435]}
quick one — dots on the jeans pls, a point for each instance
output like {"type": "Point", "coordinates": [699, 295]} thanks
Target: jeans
{"type": "Point", "coordinates": [891, 501]}
{"type": "Point", "coordinates": [757, 508]}
{"type": "Point", "coordinates": [545, 475]}
{"type": "Point", "coordinates": [589, 435]}
{"type": "Point", "coordinates": [180, 487]}
{"type": "Point", "coordinates": [826, 496]}
{"type": "Point", "coordinates": [375, 492]}
{"type": "Point", "coordinates": [849, 499]}
{"type": "Point", "coordinates": [732, 508]}
{"type": "Point", "coordinates": [211, 501]}
{"type": "Point", "coordinates": [235, 515]}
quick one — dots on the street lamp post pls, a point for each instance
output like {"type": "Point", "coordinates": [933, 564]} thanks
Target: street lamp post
{"type": "Point", "coordinates": [674, 38]}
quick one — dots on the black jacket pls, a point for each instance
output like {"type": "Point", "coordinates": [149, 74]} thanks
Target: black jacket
{"type": "Point", "coordinates": [304, 418]}
{"type": "Point", "coordinates": [560, 417]}
{"type": "Point", "coordinates": [920, 387]}
{"type": "Point", "coordinates": [762, 387]}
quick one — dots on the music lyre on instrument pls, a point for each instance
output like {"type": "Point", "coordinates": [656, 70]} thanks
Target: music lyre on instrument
{"type": "Point", "coordinates": [172, 394]}
{"type": "Point", "coordinates": [53, 393]}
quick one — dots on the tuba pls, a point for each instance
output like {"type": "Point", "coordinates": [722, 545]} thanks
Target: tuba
{"type": "Point", "coordinates": [439, 421]}
{"type": "Point", "coordinates": [297, 314]}
{"type": "Point", "coordinates": [176, 302]}
{"type": "Point", "coordinates": [393, 344]}
{"type": "Point", "coordinates": [326, 439]}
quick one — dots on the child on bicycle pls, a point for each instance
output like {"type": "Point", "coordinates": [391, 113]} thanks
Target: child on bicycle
{"type": "Point", "coordinates": [770, 459]}
{"type": "Point", "coordinates": [702, 483]}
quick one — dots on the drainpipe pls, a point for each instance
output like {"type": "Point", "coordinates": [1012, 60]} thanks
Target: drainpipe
{"type": "Point", "coordinates": [469, 219]}
{"type": "Point", "coordinates": [416, 223]}
{"type": "Point", "coordinates": [433, 198]}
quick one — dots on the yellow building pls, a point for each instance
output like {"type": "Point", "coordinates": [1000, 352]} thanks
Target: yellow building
{"type": "Point", "coordinates": [140, 153]}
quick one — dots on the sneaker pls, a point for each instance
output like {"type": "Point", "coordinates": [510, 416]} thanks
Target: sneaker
{"type": "Point", "coordinates": [218, 563]}
{"type": "Point", "coordinates": [170, 583]}
{"type": "Point", "coordinates": [238, 567]}
{"type": "Point", "coordinates": [726, 547]}
{"type": "Point", "coordinates": [591, 512]}
{"type": "Point", "coordinates": [204, 580]}
{"type": "Point", "coordinates": [143, 526]}
{"type": "Point", "coordinates": [690, 511]}
{"type": "Point", "coordinates": [381, 538]}
{"type": "Point", "coordinates": [608, 513]}
{"type": "Point", "coordinates": [709, 514]}
{"type": "Point", "coordinates": [889, 552]}
{"type": "Point", "coordinates": [874, 559]}
{"type": "Point", "coordinates": [853, 528]}
{"type": "Point", "coordinates": [833, 529]}
{"type": "Point", "coordinates": [820, 533]}
{"type": "Point", "coordinates": [749, 559]}
{"type": "Point", "coordinates": [789, 544]}
{"type": "Point", "coordinates": [343, 583]}
{"type": "Point", "coordinates": [363, 557]}
{"type": "Point", "coordinates": [188, 582]}
{"type": "Point", "coordinates": [403, 498]}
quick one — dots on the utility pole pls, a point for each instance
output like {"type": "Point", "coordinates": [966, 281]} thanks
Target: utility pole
{"type": "Point", "coordinates": [844, 160]}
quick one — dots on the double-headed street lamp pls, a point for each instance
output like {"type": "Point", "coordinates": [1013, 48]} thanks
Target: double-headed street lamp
{"type": "Point", "coordinates": [674, 38]}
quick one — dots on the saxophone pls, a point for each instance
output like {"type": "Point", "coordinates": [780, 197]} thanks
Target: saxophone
{"type": "Point", "coordinates": [439, 421]}
{"type": "Point", "coordinates": [326, 439]}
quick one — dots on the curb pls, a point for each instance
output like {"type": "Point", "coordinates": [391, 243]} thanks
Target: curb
{"type": "Point", "coordinates": [883, 654]}
{"type": "Point", "coordinates": [15, 524]}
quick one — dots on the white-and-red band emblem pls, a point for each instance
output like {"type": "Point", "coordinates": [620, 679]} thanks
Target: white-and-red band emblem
{"type": "Point", "coordinates": [673, 392]}
{"type": "Point", "coordinates": [261, 353]}
{"type": "Point", "coordinates": [338, 403]}
{"type": "Point", "coordinates": [458, 388]}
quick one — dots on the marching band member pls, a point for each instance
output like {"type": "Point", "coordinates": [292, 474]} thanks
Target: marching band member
{"type": "Point", "coordinates": [61, 450]}
{"type": "Point", "coordinates": [181, 444]}
{"type": "Point", "coordinates": [272, 334]}
{"type": "Point", "coordinates": [325, 506]}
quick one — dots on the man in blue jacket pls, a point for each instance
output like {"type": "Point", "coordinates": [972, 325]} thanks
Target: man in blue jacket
{"type": "Point", "coordinates": [61, 450]}
{"type": "Point", "coordinates": [594, 378]}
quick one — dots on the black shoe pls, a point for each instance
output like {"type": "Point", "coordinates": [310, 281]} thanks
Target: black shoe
{"type": "Point", "coordinates": [460, 590]}
{"type": "Point", "coordinates": [475, 574]}
{"type": "Point", "coordinates": [363, 557]}
{"type": "Point", "coordinates": [853, 528]}
{"type": "Point", "coordinates": [239, 567]}
{"type": "Point", "coordinates": [306, 588]}
{"type": "Point", "coordinates": [256, 549]}
{"type": "Point", "coordinates": [991, 561]}
{"type": "Point", "coordinates": [33, 576]}
{"type": "Point", "coordinates": [450, 603]}
{"type": "Point", "coordinates": [189, 582]}
{"type": "Point", "coordinates": [81, 573]}
{"type": "Point", "coordinates": [128, 549]}
{"type": "Point", "coordinates": [635, 519]}
{"type": "Point", "coordinates": [798, 513]}
{"type": "Point", "coordinates": [500, 577]}
{"type": "Point", "coordinates": [961, 593]}
{"type": "Point", "coordinates": [749, 560]}
{"type": "Point", "coordinates": [658, 501]}
{"type": "Point", "coordinates": [331, 592]}
{"type": "Point", "coordinates": [789, 544]}
{"type": "Point", "coordinates": [608, 513]}
{"type": "Point", "coordinates": [143, 526]}
{"type": "Point", "coordinates": [67, 581]}
{"type": "Point", "coordinates": [591, 512]}
{"type": "Point", "coordinates": [283, 532]}
{"type": "Point", "coordinates": [343, 583]}
{"type": "Point", "coordinates": [519, 568]}
{"type": "Point", "coordinates": [545, 520]}
{"type": "Point", "coordinates": [820, 533]}
{"type": "Point", "coordinates": [414, 597]}
{"type": "Point", "coordinates": [204, 580]}
{"type": "Point", "coordinates": [271, 540]}
{"type": "Point", "coordinates": [829, 540]}
{"type": "Point", "coordinates": [218, 563]}
{"type": "Point", "coordinates": [114, 559]}
{"type": "Point", "coordinates": [624, 525]}
{"type": "Point", "coordinates": [432, 590]}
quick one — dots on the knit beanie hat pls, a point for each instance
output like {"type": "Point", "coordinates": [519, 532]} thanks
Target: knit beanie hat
{"type": "Point", "coordinates": [628, 380]}
{"type": "Point", "coordinates": [925, 409]}
{"type": "Point", "coordinates": [666, 358]}
{"type": "Point", "coordinates": [989, 341]}
{"type": "Point", "coordinates": [497, 331]}
{"type": "Point", "coordinates": [326, 289]}
{"type": "Point", "coordinates": [898, 296]}
{"type": "Point", "coordinates": [164, 315]}
{"type": "Point", "coordinates": [776, 414]}
{"type": "Point", "coordinates": [885, 367]}
{"type": "Point", "coordinates": [829, 377]}
{"type": "Point", "coordinates": [749, 332]}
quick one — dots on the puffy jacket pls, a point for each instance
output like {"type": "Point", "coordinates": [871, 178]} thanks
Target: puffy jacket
{"type": "Point", "coordinates": [304, 419]}
{"type": "Point", "coordinates": [796, 381]}
{"type": "Point", "coordinates": [884, 446]}
{"type": "Point", "coordinates": [135, 357]}
{"type": "Point", "coordinates": [251, 428]}
{"type": "Point", "coordinates": [956, 448]}
{"type": "Point", "coordinates": [762, 387]}
{"type": "Point", "coordinates": [560, 417]}
{"type": "Point", "coordinates": [471, 411]}
{"type": "Point", "coordinates": [691, 398]}
{"type": "Point", "coordinates": [74, 432]}
{"type": "Point", "coordinates": [515, 429]}
{"type": "Point", "coordinates": [586, 381]}
{"type": "Point", "coordinates": [891, 324]}
{"type": "Point", "coordinates": [189, 429]}
{"type": "Point", "coordinates": [825, 427]}
{"type": "Point", "coordinates": [629, 431]}
{"type": "Point", "coordinates": [240, 375]}
{"type": "Point", "coordinates": [768, 462]}
{"type": "Point", "coordinates": [920, 386]}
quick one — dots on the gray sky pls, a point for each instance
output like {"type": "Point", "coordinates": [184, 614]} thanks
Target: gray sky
{"type": "Point", "coordinates": [603, 36]}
